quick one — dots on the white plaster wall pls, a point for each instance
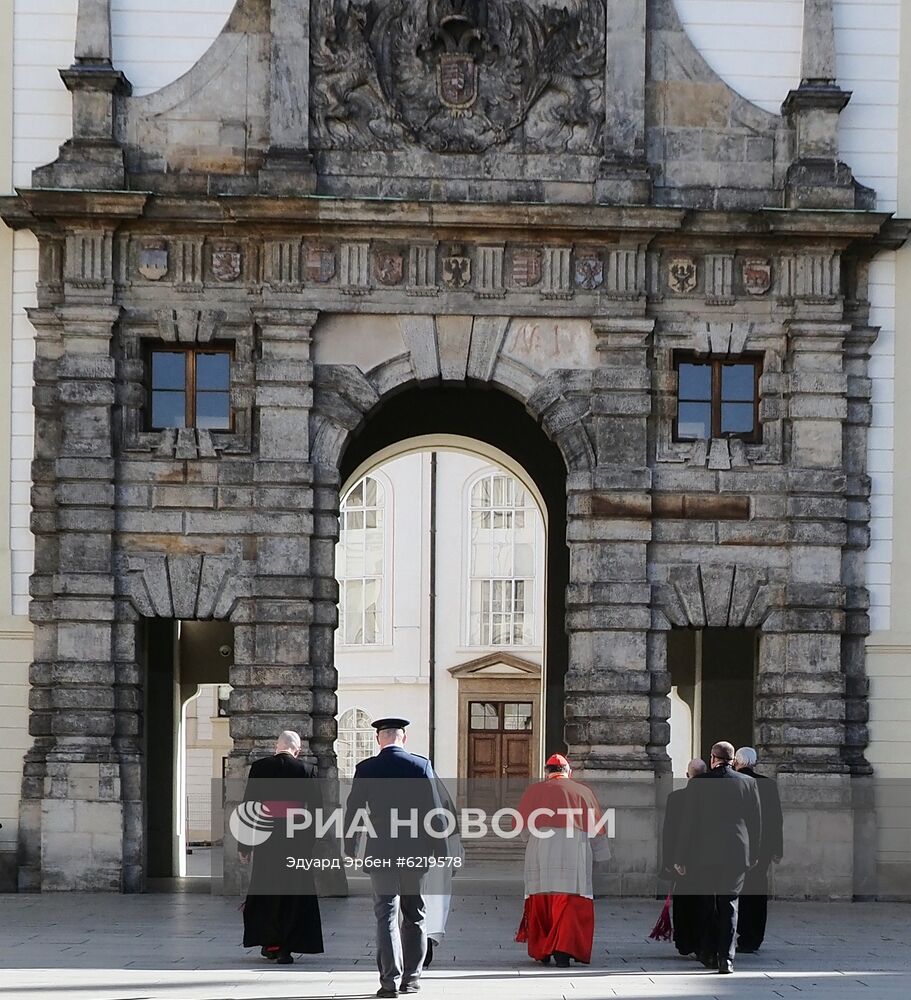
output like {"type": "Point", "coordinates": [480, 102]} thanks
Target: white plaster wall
{"type": "Point", "coordinates": [391, 678]}
{"type": "Point", "coordinates": [156, 41]}
{"type": "Point", "coordinates": [866, 47]}
{"type": "Point", "coordinates": [880, 445]}
{"type": "Point", "coordinates": [22, 546]}
{"type": "Point", "coordinates": [754, 45]}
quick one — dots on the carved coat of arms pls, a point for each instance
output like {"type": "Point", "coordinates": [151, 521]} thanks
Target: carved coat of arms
{"type": "Point", "coordinates": [458, 75]}
{"type": "Point", "coordinates": [388, 267]}
{"type": "Point", "coordinates": [458, 80]}
{"type": "Point", "coordinates": [227, 261]}
{"type": "Point", "coordinates": [153, 259]}
{"type": "Point", "coordinates": [456, 269]}
{"type": "Point", "coordinates": [526, 267]}
{"type": "Point", "coordinates": [320, 264]}
{"type": "Point", "coordinates": [682, 275]}
{"type": "Point", "coordinates": [757, 275]}
{"type": "Point", "coordinates": [589, 271]}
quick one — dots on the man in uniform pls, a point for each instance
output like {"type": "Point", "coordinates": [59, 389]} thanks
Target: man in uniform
{"type": "Point", "coordinates": [754, 902]}
{"type": "Point", "coordinates": [392, 787]}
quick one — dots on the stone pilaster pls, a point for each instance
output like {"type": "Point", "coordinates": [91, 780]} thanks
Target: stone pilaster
{"type": "Point", "coordinates": [801, 706]}
{"type": "Point", "coordinates": [289, 166]}
{"type": "Point", "coordinates": [623, 175]}
{"type": "Point", "coordinates": [272, 678]}
{"type": "Point", "coordinates": [73, 811]}
{"type": "Point", "coordinates": [609, 686]}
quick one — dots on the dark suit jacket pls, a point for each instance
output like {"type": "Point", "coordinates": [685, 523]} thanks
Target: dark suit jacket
{"type": "Point", "coordinates": [673, 819]}
{"type": "Point", "coordinates": [772, 845]}
{"type": "Point", "coordinates": [722, 822]}
{"type": "Point", "coordinates": [398, 780]}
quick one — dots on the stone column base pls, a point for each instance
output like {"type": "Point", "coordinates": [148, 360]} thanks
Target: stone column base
{"type": "Point", "coordinates": [72, 838]}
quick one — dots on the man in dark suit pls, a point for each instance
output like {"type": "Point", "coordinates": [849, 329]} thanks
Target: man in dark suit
{"type": "Point", "coordinates": [281, 911]}
{"type": "Point", "coordinates": [686, 906]}
{"type": "Point", "coordinates": [754, 901]}
{"type": "Point", "coordinates": [719, 842]}
{"type": "Point", "coordinates": [397, 789]}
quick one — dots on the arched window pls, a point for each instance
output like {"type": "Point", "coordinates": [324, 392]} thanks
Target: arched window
{"type": "Point", "coordinates": [355, 741]}
{"type": "Point", "coordinates": [503, 522]}
{"type": "Point", "coordinates": [359, 562]}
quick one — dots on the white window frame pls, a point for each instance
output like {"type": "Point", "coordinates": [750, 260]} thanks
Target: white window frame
{"type": "Point", "coordinates": [531, 589]}
{"type": "Point", "coordinates": [362, 738]}
{"type": "Point", "coordinates": [384, 506]}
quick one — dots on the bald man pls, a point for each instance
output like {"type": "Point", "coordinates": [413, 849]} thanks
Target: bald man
{"type": "Point", "coordinates": [686, 906]}
{"type": "Point", "coordinates": [280, 924]}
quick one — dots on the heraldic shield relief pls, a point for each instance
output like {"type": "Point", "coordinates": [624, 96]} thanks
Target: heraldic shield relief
{"type": "Point", "coordinates": [458, 75]}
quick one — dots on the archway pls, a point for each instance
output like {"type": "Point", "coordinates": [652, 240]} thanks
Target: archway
{"type": "Point", "coordinates": [490, 423]}
{"type": "Point", "coordinates": [442, 596]}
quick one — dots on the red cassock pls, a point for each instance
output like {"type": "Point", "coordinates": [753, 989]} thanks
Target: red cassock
{"type": "Point", "coordinates": [558, 921]}
{"type": "Point", "coordinates": [559, 911]}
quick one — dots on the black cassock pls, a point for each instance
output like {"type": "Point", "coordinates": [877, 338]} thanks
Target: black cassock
{"type": "Point", "coordinates": [288, 920]}
{"type": "Point", "coordinates": [687, 906]}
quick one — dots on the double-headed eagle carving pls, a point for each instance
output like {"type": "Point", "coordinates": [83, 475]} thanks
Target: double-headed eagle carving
{"type": "Point", "coordinates": [459, 75]}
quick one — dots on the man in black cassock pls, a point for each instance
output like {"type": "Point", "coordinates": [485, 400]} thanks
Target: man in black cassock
{"type": "Point", "coordinates": [719, 842]}
{"type": "Point", "coordinates": [686, 907]}
{"type": "Point", "coordinates": [282, 922]}
{"type": "Point", "coordinates": [754, 901]}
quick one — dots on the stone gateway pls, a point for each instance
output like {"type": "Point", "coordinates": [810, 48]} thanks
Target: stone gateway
{"type": "Point", "coordinates": [530, 223]}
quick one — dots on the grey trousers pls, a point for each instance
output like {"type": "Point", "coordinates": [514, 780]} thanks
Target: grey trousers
{"type": "Point", "coordinates": [399, 953]}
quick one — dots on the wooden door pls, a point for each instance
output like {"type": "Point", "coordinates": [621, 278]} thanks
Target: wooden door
{"type": "Point", "coordinates": [484, 756]}
{"type": "Point", "coordinates": [500, 738]}
{"type": "Point", "coordinates": [516, 756]}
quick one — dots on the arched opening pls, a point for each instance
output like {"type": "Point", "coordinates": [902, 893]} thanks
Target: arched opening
{"type": "Point", "coordinates": [496, 428]}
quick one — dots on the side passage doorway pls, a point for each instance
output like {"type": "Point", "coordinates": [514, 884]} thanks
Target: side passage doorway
{"type": "Point", "coordinates": [712, 690]}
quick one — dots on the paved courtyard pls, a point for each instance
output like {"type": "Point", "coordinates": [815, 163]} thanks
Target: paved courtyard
{"type": "Point", "coordinates": [89, 947]}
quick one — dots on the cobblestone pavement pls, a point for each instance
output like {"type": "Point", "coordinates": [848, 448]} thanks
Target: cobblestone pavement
{"type": "Point", "coordinates": [186, 946]}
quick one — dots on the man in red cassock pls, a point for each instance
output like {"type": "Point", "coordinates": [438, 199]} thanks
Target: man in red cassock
{"type": "Point", "coordinates": [562, 821]}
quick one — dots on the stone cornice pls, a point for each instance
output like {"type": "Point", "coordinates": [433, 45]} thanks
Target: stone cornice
{"type": "Point", "coordinates": [453, 220]}
{"type": "Point", "coordinates": [63, 204]}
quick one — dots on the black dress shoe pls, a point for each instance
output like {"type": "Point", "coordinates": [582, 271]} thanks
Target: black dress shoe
{"type": "Point", "coordinates": [284, 958]}
{"type": "Point", "coordinates": [270, 953]}
{"type": "Point", "coordinates": [725, 966]}
{"type": "Point", "coordinates": [561, 959]}
{"type": "Point", "coordinates": [743, 949]}
{"type": "Point", "coordinates": [709, 961]}
{"type": "Point", "coordinates": [546, 960]}
{"type": "Point", "coordinates": [384, 992]}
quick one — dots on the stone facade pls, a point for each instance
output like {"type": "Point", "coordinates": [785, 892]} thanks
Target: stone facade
{"type": "Point", "coordinates": [410, 232]}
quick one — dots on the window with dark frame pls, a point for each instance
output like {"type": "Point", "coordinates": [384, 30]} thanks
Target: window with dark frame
{"type": "Point", "coordinates": [189, 387]}
{"type": "Point", "coordinates": [717, 398]}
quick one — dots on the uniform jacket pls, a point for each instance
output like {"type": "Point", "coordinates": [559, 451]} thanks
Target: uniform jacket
{"type": "Point", "coordinates": [400, 781]}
